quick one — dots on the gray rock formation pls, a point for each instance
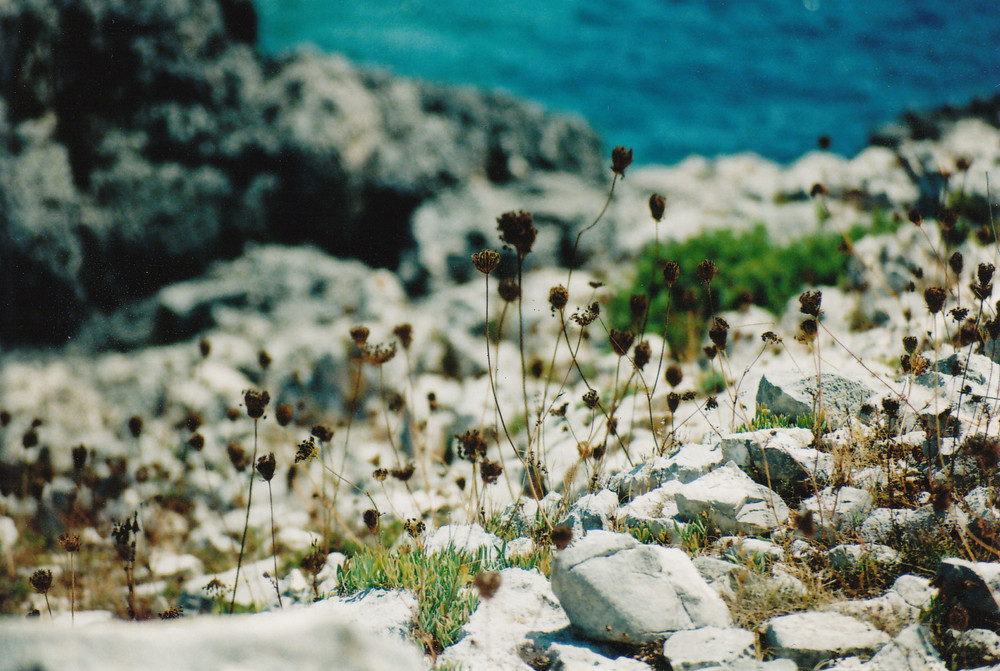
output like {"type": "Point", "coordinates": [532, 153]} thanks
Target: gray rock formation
{"type": "Point", "coordinates": [812, 638]}
{"type": "Point", "coordinates": [732, 502]}
{"type": "Point", "coordinates": [793, 396]}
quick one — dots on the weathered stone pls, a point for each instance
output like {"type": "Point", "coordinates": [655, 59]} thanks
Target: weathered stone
{"type": "Point", "coordinates": [968, 593]}
{"type": "Point", "coordinates": [779, 458]}
{"type": "Point", "coordinates": [732, 502]}
{"type": "Point", "coordinates": [791, 395]}
{"type": "Point", "coordinates": [812, 638]}
{"type": "Point", "coordinates": [614, 589]}
{"type": "Point", "coordinates": [591, 511]}
{"type": "Point", "coordinates": [839, 511]}
{"type": "Point", "coordinates": [708, 646]}
{"type": "Point", "coordinates": [911, 650]}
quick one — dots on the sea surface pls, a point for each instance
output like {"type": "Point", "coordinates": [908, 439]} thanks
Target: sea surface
{"type": "Point", "coordinates": [675, 77]}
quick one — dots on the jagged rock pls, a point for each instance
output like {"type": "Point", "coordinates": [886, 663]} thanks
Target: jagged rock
{"type": "Point", "coordinates": [840, 511]}
{"type": "Point", "coordinates": [708, 646]}
{"type": "Point", "coordinates": [468, 538]}
{"type": "Point", "coordinates": [892, 526]}
{"type": "Point", "coordinates": [911, 650]}
{"type": "Point", "coordinates": [812, 638]}
{"type": "Point", "coordinates": [691, 461]}
{"type": "Point", "coordinates": [263, 641]}
{"type": "Point", "coordinates": [614, 589]}
{"type": "Point", "coordinates": [654, 510]}
{"type": "Point", "coordinates": [591, 511]}
{"type": "Point", "coordinates": [732, 502]}
{"type": "Point", "coordinates": [722, 576]}
{"type": "Point", "coordinates": [856, 558]}
{"type": "Point", "coordinates": [779, 458]}
{"type": "Point", "coordinates": [791, 395]}
{"type": "Point", "coordinates": [975, 648]}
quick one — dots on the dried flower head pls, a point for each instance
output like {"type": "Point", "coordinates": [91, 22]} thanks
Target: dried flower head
{"type": "Point", "coordinates": [671, 272]}
{"type": "Point", "coordinates": [711, 403]}
{"type": "Point", "coordinates": [689, 395]}
{"type": "Point", "coordinates": [948, 219]}
{"type": "Point", "coordinates": [657, 204]}
{"type": "Point", "coordinates": [770, 338]}
{"type": "Point", "coordinates": [322, 432]}
{"type": "Point", "coordinates": [673, 401]}
{"type": "Point", "coordinates": [237, 456]}
{"type": "Point", "coordinates": [380, 354]}
{"type": "Point", "coordinates": [818, 190]}
{"type": "Point", "coordinates": [487, 583]}
{"type": "Point", "coordinates": [255, 402]}
{"type": "Point", "coordinates": [403, 473]}
{"type": "Point", "coordinates": [509, 289]}
{"type": "Point", "coordinates": [4, 417]}
{"type": "Point", "coordinates": [621, 341]}
{"type": "Point", "coordinates": [518, 230]}
{"type": "Point", "coordinates": [284, 414]}
{"type": "Point", "coordinates": [809, 303]}
{"type": "Point", "coordinates": [380, 474]}
{"type": "Point", "coordinates": [313, 562]}
{"type": "Point", "coordinates": [673, 375]}
{"type": "Point", "coordinates": [41, 581]}
{"type": "Point", "coordinates": [264, 359]}
{"type": "Point", "coordinates": [890, 406]}
{"type": "Point", "coordinates": [621, 158]}
{"type": "Point", "coordinates": [486, 261]}
{"type": "Point", "coordinates": [414, 527]}
{"type": "Point", "coordinates": [471, 445]}
{"type": "Point", "coordinates": [909, 344]}
{"type": "Point", "coordinates": [590, 399]}
{"type": "Point", "coordinates": [370, 518]}
{"type": "Point", "coordinates": [588, 316]}
{"type": "Point", "coordinates": [359, 334]}
{"type": "Point", "coordinates": [489, 471]}
{"type": "Point", "coordinates": [941, 497]}
{"type": "Point", "coordinates": [809, 328]}
{"type": "Point", "coordinates": [216, 588]}
{"type": "Point", "coordinates": [172, 613]}
{"type": "Point", "coordinates": [79, 457]}
{"type": "Point", "coordinates": [934, 297]}
{"type": "Point", "coordinates": [196, 442]}
{"type": "Point", "coordinates": [306, 450]}
{"type": "Point", "coordinates": [915, 217]}
{"type": "Point", "coordinates": [710, 351]}
{"type": "Point", "coordinates": [719, 333]}
{"type": "Point", "coordinates": [957, 262]}
{"type": "Point", "coordinates": [70, 542]}
{"type": "Point", "coordinates": [405, 334]}
{"type": "Point", "coordinates": [642, 353]}
{"type": "Point", "coordinates": [266, 466]}
{"type": "Point", "coordinates": [706, 271]}
{"type": "Point", "coordinates": [561, 536]}
{"type": "Point", "coordinates": [30, 438]}
{"type": "Point", "coordinates": [204, 347]}
{"type": "Point", "coordinates": [135, 426]}
{"type": "Point", "coordinates": [958, 314]}
{"type": "Point", "coordinates": [558, 297]}
{"type": "Point", "coordinates": [637, 305]}
{"type": "Point", "coordinates": [805, 523]}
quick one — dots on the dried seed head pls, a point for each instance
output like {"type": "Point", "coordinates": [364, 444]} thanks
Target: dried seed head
{"type": "Point", "coordinates": [313, 562]}
{"type": "Point", "coordinates": [688, 396]}
{"type": "Point", "coordinates": [486, 261]}
{"type": "Point", "coordinates": [818, 190]}
{"type": "Point", "coordinates": [380, 354]}
{"type": "Point", "coordinates": [306, 450]}
{"type": "Point", "coordinates": [909, 344]}
{"type": "Point", "coordinates": [266, 466]}
{"type": "Point", "coordinates": [934, 297]}
{"type": "Point", "coordinates": [711, 403]}
{"type": "Point", "coordinates": [370, 518]}
{"type": "Point", "coordinates": [621, 341]}
{"type": "Point", "coordinates": [380, 474]}
{"type": "Point", "coordinates": [710, 351]}
{"type": "Point", "coordinates": [216, 588]}
{"type": "Point", "coordinates": [471, 445]}
{"type": "Point", "coordinates": [518, 230]}
{"type": "Point", "coordinates": [135, 426]}
{"type": "Point", "coordinates": [414, 527]}
{"type": "Point", "coordinates": [770, 338]}
{"type": "Point", "coordinates": [890, 406]}
{"type": "Point", "coordinates": [915, 217]}
{"type": "Point", "coordinates": [637, 305]}
{"type": "Point", "coordinates": [706, 271]}
{"type": "Point", "coordinates": [359, 334]}
{"type": "Point", "coordinates": [674, 375]}
{"type": "Point", "coordinates": [403, 473]}
{"type": "Point", "coordinates": [322, 432]}
{"type": "Point", "coordinates": [70, 542]}
{"type": "Point", "coordinates": [719, 333]}
{"type": "Point", "coordinates": [671, 271]}
{"type": "Point", "coordinates": [487, 583]}
{"type": "Point", "coordinates": [588, 316]}
{"type": "Point", "coordinates": [255, 402]}
{"type": "Point", "coordinates": [642, 354]}
{"type": "Point", "coordinates": [172, 613]}
{"type": "Point", "coordinates": [30, 438]}
{"type": "Point", "coordinates": [79, 457]}
{"type": "Point", "coordinates": [590, 399]}
{"type": "Point", "coordinates": [196, 442]}
{"type": "Point", "coordinates": [264, 359]}
{"type": "Point", "coordinates": [941, 498]}
{"type": "Point", "coordinates": [673, 401]}
{"type": "Point", "coordinates": [237, 456]}
{"type": "Point", "coordinates": [405, 334]}
{"type": "Point", "coordinates": [805, 524]}
{"type": "Point", "coordinates": [509, 289]}
{"type": "Point", "coordinates": [958, 314]}
{"type": "Point", "coordinates": [809, 328]}
{"type": "Point", "coordinates": [558, 297]}
{"type": "Point", "coordinates": [657, 204]}
{"type": "Point", "coordinates": [905, 364]}
{"type": "Point", "coordinates": [963, 163]}
{"type": "Point", "coordinates": [948, 219]}
{"type": "Point", "coordinates": [621, 158]}
{"type": "Point", "coordinates": [561, 536]}
{"type": "Point", "coordinates": [809, 303]}
{"type": "Point", "coordinates": [204, 347]}
{"type": "Point", "coordinates": [957, 262]}
{"type": "Point", "coordinates": [41, 581]}
{"type": "Point", "coordinates": [489, 471]}
{"type": "Point", "coordinates": [284, 414]}
{"type": "Point", "coordinates": [985, 273]}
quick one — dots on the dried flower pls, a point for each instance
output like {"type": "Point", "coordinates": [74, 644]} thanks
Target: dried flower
{"type": "Point", "coordinates": [621, 341]}
{"type": "Point", "coordinates": [255, 402]}
{"type": "Point", "coordinates": [673, 401]}
{"type": "Point", "coordinates": [70, 542]}
{"type": "Point", "coordinates": [558, 297]}
{"type": "Point", "coordinates": [403, 473]}
{"type": "Point", "coordinates": [380, 474]}
{"type": "Point", "coordinates": [706, 271]}
{"type": "Point", "coordinates": [710, 351]}
{"type": "Point", "coordinates": [196, 442]}
{"type": "Point", "coordinates": [322, 432]}
{"type": "Point", "coordinates": [380, 354]}
{"type": "Point", "coordinates": [509, 289]}
{"type": "Point", "coordinates": [489, 471]}
{"type": "Point", "coordinates": [284, 414]}
{"type": "Point", "coordinates": [264, 359]}
{"type": "Point", "coordinates": [770, 338]}
{"type": "Point", "coordinates": [590, 399]}
{"type": "Point", "coordinates": [237, 456]}
{"type": "Point", "coordinates": [561, 536]}
{"type": "Point", "coordinates": [41, 580]}
{"type": "Point", "coordinates": [370, 518]}
{"type": "Point", "coordinates": [719, 332]}
{"type": "Point", "coordinates": [204, 347]}
{"type": "Point", "coordinates": [809, 329]}
{"type": "Point", "coordinates": [306, 450]}
{"type": "Point", "coordinates": [642, 354]}
{"type": "Point", "coordinates": [518, 230]}
{"type": "Point", "coordinates": [934, 297]}
{"type": "Point", "coordinates": [818, 190]}
{"type": "Point", "coordinates": [657, 204]}
{"type": "Point", "coordinates": [957, 262]}
{"type": "Point", "coordinates": [487, 582]}
{"type": "Point", "coordinates": [621, 158]}
{"type": "Point", "coordinates": [809, 303]}
{"type": "Point", "coordinates": [486, 261]}
{"type": "Point", "coordinates": [673, 375]}
{"type": "Point", "coordinates": [711, 403]}
{"type": "Point", "coordinates": [471, 445]}
{"type": "Point", "coordinates": [405, 334]}
{"type": "Point", "coordinates": [313, 562]}
{"type": "Point", "coordinates": [941, 498]}
{"type": "Point", "coordinates": [135, 425]}
{"type": "Point", "coordinates": [671, 271]}
{"type": "Point", "coordinates": [890, 406]}
{"type": "Point", "coordinates": [266, 466]}
{"type": "Point", "coordinates": [30, 438]}
{"type": "Point", "coordinates": [359, 334]}
{"type": "Point", "coordinates": [414, 527]}
{"type": "Point", "coordinates": [915, 216]}
{"type": "Point", "coordinates": [948, 219]}
{"type": "Point", "coordinates": [909, 344]}
{"type": "Point", "coordinates": [79, 457]}
{"type": "Point", "coordinates": [637, 305]}
{"type": "Point", "coordinates": [588, 316]}
{"type": "Point", "coordinates": [172, 613]}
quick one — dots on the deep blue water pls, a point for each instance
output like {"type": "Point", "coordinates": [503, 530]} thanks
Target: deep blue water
{"type": "Point", "coordinates": [674, 77]}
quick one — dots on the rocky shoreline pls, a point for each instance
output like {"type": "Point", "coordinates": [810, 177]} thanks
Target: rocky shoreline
{"type": "Point", "coordinates": [196, 224]}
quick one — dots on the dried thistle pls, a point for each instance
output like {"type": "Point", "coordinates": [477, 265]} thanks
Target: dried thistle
{"type": "Point", "coordinates": [70, 542]}
{"type": "Point", "coordinates": [359, 334]}
{"type": "Point", "coordinates": [657, 204]}
{"type": "Point", "coordinates": [673, 375]}
{"type": "Point", "coordinates": [41, 581]}
{"type": "Point", "coordinates": [486, 261]}
{"type": "Point", "coordinates": [255, 402]}
{"type": "Point", "coordinates": [517, 229]}
{"type": "Point", "coordinates": [706, 271]}
{"type": "Point", "coordinates": [934, 297]}
{"type": "Point", "coordinates": [671, 272]}
{"type": "Point", "coordinates": [558, 297]}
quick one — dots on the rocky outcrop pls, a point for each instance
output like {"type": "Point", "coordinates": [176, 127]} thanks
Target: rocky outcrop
{"type": "Point", "coordinates": [141, 140]}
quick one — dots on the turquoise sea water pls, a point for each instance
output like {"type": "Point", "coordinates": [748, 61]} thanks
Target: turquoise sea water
{"type": "Point", "coordinates": [673, 77]}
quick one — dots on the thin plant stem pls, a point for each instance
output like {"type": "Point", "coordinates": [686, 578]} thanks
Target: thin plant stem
{"type": "Point", "coordinates": [246, 523]}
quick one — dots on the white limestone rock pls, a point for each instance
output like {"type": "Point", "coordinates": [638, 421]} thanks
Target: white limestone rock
{"type": "Point", "coordinates": [732, 502]}
{"type": "Point", "coordinates": [793, 396]}
{"type": "Point", "coordinates": [708, 646]}
{"type": "Point", "coordinates": [811, 638]}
